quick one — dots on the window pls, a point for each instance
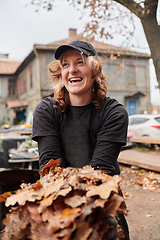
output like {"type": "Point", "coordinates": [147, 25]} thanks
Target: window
{"type": "Point", "coordinates": [21, 83]}
{"type": "Point", "coordinates": [31, 76]}
{"type": "Point", "coordinates": [24, 82]}
{"type": "Point", "coordinates": [11, 87]}
{"type": "Point", "coordinates": [0, 86]}
{"type": "Point", "coordinates": [137, 120]}
{"type": "Point", "coordinates": [157, 119]}
{"type": "Point", "coordinates": [131, 74]}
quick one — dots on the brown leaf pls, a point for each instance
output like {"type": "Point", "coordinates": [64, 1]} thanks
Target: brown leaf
{"type": "Point", "coordinates": [117, 68]}
{"type": "Point", "coordinates": [113, 205]}
{"type": "Point", "coordinates": [41, 233]}
{"type": "Point", "coordinates": [83, 231]}
{"type": "Point", "coordinates": [4, 196]}
{"type": "Point", "coordinates": [113, 57]}
{"type": "Point", "coordinates": [66, 232]}
{"type": "Point", "coordinates": [46, 202]}
{"type": "Point", "coordinates": [69, 215]}
{"type": "Point", "coordinates": [21, 197]}
{"type": "Point", "coordinates": [105, 189]}
{"type": "Point", "coordinates": [33, 209]}
{"type": "Point", "coordinates": [53, 187]}
{"type": "Point", "coordinates": [87, 209]}
{"type": "Point", "coordinates": [100, 202]}
{"type": "Point", "coordinates": [53, 220]}
{"type": "Point", "coordinates": [75, 201]}
{"type": "Point", "coordinates": [16, 224]}
{"type": "Point", "coordinates": [65, 191]}
{"type": "Point", "coordinates": [50, 166]}
{"type": "Point", "coordinates": [37, 185]}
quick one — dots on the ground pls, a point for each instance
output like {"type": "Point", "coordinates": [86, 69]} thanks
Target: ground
{"type": "Point", "coordinates": [142, 195]}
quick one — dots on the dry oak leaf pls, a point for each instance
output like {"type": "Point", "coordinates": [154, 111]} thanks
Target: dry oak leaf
{"type": "Point", "coordinates": [66, 232]}
{"type": "Point", "coordinates": [32, 194]}
{"type": "Point", "coordinates": [4, 196]}
{"type": "Point", "coordinates": [37, 185]}
{"type": "Point", "coordinates": [33, 209]}
{"type": "Point", "coordinates": [83, 231]}
{"type": "Point", "coordinates": [100, 202]}
{"type": "Point", "coordinates": [50, 166]}
{"type": "Point", "coordinates": [41, 233]}
{"type": "Point", "coordinates": [64, 191]}
{"type": "Point", "coordinates": [75, 201]}
{"type": "Point", "coordinates": [16, 224]}
{"type": "Point", "coordinates": [53, 219]}
{"type": "Point", "coordinates": [69, 215]}
{"type": "Point", "coordinates": [104, 189]}
{"type": "Point", "coordinates": [87, 209]}
{"type": "Point", "coordinates": [53, 186]}
{"type": "Point", "coordinates": [22, 196]}
{"type": "Point", "coordinates": [46, 202]}
{"type": "Point", "coordinates": [114, 203]}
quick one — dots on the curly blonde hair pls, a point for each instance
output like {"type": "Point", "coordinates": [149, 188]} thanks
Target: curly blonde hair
{"type": "Point", "coordinates": [60, 92]}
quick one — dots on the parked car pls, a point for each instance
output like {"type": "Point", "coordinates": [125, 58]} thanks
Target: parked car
{"type": "Point", "coordinates": [130, 134]}
{"type": "Point", "coordinates": [129, 144]}
{"type": "Point", "coordinates": [145, 125]}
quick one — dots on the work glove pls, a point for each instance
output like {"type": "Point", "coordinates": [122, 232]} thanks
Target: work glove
{"type": "Point", "coordinates": [111, 234]}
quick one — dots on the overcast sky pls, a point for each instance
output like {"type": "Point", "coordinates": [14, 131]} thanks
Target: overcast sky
{"type": "Point", "coordinates": [21, 27]}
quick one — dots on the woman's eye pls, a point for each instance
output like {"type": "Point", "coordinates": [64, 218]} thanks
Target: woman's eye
{"type": "Point", "coordinates": [80, 62]}
{"type": "Point", "coordinates": [65, 65]}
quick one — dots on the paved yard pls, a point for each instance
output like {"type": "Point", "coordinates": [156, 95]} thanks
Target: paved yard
{"type": "Point", "coordinates": [143, 205]}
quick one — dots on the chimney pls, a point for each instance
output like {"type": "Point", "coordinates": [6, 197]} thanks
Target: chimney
{"type": "Point", "coordinates": [4, 55]}
{"type": "Point", "coordinates": [72, 32]}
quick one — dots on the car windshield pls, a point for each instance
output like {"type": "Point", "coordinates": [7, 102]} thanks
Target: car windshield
{"type": "Point", "coordinates": [137, 120]}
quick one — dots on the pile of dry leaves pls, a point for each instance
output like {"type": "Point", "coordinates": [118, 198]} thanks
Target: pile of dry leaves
{"type": "Point", "coordinates": [66, 203]}
{"type": "Point", "coordinates": [142, 178]}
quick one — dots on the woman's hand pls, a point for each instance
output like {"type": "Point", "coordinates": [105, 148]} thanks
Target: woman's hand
{"type": "Point", "coordinates": [111, 234]}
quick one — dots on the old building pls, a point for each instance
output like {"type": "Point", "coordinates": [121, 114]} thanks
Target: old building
{"type": "Point", "coordinates": [7, 86]}
{"type": "Point", "coordinates": [128, 82]}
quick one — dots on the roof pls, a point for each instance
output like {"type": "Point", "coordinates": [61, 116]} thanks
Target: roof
{"type": "Point", "coordinates": [135, 94]}
{"type": "Point", "coordinates": [17, 103]}
{"type": "Point", "coordinates": [8, 66]}
{"type": "Point", "coordinates": [100, 47]}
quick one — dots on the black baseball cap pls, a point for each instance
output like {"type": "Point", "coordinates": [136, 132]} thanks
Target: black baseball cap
{"type": "Point", "coordinates": [81, 46]}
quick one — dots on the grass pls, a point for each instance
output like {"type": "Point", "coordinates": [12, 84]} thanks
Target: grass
{"type": "Point", "coordinates": [147, 148]}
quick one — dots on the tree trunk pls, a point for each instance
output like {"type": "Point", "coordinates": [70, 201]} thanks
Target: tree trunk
{"type": "Point", "coordinates": [152, 34]}
{"type": "Point", "coordinates": [147, 15]}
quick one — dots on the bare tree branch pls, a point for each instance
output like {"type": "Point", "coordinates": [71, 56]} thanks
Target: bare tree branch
{"type": "Point", "coordinates": [107, 18]}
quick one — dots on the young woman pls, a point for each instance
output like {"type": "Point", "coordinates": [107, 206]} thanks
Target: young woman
{"type": "Point", "coordinates": [80, 124]}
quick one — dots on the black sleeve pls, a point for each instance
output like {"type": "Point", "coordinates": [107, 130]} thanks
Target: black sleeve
{"type": "Point", "coordinates": [49, 149]}
{"type": "Point", "coordinates": [111, 136]}
{"type": "Point", "coordinates": [45, 120]}
{"type": "Point", "coordinates": [45, 131]}
{"type": "Point", "coordinates": [114, 124]}
{"type": "Point", "coordinates": [105, 157]}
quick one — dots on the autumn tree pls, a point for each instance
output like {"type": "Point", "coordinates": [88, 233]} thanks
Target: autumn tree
{"type": "Point", "coordinates": [146, 11]}
{"type": "Point", "coordinates": [106, 11]}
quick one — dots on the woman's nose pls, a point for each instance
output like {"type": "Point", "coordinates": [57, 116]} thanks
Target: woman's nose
{"type": "Point", "coordinates": [72, 68]}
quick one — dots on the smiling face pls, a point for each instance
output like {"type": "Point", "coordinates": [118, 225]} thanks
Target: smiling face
{"type": "Point", "coordinates": [77, 78]}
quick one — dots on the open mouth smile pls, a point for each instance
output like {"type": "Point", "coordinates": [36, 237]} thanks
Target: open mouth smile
{"type": "Point", "coordinates": [75, 80]}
